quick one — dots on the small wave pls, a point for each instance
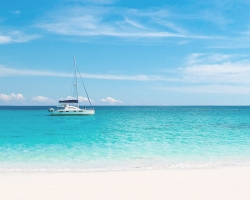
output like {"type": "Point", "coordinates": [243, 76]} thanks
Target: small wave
{"type": "Point", "coordinates": [126, 168]}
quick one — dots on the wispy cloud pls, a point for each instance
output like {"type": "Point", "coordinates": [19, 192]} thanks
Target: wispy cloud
{"type": "Point", "coordinates": [15, 37]}
{"type": "Point", "coordinates": [212, 16]}
{"type": "Point", "coordinates": [217, 68]}
{"type": "Point", "coordinates": [131, 78]}
{"type": "Point", "coordinates": [113, 22]}
{"type": "Point", "coordinates": [206, 58]}
{"type": "Point", "coordinates": [201, 68]}
{"type": "Point", "coordinates": [209, 89]}
{"type": "Point", "coordinates": [101, 2]}
{"type": "Point", "coordinates": [213, 73]}
{"type": "Point", "coordinates": [201, 71]}
{"type": "Point", "coordinates": [4, 71]}
{"type": "Point", "coordinates": [4, 39]}
{"type": "Point", "coordinates": [246, 32]}
{"type": "Point", "coordinates": [16, 12]}
{"type": "Point", "coordinates": [111, 100]}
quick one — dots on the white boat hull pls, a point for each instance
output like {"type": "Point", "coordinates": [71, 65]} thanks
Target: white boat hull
{"type": "Point", "coordinates": [70, 106]}
{"type": "Point", "coordinates": [79, 112]}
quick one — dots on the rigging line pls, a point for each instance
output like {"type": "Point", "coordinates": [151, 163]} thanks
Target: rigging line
{"type": "Point", "coordinates": [84, 87]}
{"type": "Point", "coordinates": [72, 89]}
{"type": "Point", "coordinates": [75, 85]}
{"type": "Point", "coordinates": [64, 83]}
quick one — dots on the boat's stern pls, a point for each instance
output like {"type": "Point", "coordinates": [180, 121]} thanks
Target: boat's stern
{"type": "Point", "coordinates": [51, 110]}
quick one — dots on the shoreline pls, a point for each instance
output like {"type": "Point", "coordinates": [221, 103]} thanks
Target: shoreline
{"type": "Point", "coordinates": [121, 168]}
{"type": "Point", "coordinates": [213, 183]}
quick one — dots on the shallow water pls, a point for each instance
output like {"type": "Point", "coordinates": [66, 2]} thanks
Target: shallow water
{"type": "Point", "coordinates": [122, 138]}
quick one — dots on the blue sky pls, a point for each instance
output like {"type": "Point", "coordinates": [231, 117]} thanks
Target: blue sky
{"type": "Point", "coordinates": [182, 52]}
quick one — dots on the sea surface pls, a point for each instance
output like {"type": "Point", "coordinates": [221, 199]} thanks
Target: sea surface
{"type": "Point", "coordinates": [124, 138]}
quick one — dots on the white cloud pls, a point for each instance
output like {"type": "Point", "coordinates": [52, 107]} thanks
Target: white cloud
{"type": "Point", "coordinates": [140, 77]}
{"type": "Point", "coordinates": [42, 99]}
{"type": "Point", "coordinates": [210, 89]}
{"type": "Point", "coordinates": [217, 68]}
{"type": "Point", "coordinates": [182, 42]}
{"type": "Point", "coordinates": [83, 99]}
{"type": "Point", "coordinates": [171, 26]}
{"type": "Point", "coordinates": [111, 100]}
{"type": "Point", "coordinates": [100, 21]}
{"type": "Point", "coordinates": [16, 37]}
{"type": "Point", "coordinates": [19, 98]}
{"type": "Point", "coordinates": [214, 73]}
{"type": "Point", "coordinates": [4, 39]}
{"type": "Point", "coordinates": [206, 58]}
{"type": "Point", "coordinates": [17, 12]}
{"type": "Point", "coordinates": [226, 68]}
{"type": "Point", "coordinates": [212, 16]}
{"type": "Point", "coordinates": [11, 97]}
{"type": "Point", "coordinates": [102, 2]}
{"type": "Point", "coordinates": [69, 97]}
{"type": "Point", "coordinates": [4, 71]}
{"type": "Point", "coordinates": [80, 99]}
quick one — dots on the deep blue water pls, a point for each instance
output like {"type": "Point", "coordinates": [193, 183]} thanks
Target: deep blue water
{"type": "Point", "coordinates": [124, 137]}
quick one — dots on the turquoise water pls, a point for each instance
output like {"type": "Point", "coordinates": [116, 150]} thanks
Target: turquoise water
{"type": "Point", "coordinates": [124, 138]}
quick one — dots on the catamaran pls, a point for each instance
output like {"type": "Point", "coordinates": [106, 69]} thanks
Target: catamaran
{"type": "Point", "coordinates": [71, 106]}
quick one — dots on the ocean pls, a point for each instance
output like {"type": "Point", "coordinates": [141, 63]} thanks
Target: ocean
{"type": "Point", "coordinates": [124, 138]}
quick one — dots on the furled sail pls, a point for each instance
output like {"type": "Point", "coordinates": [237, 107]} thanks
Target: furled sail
{"type": "Point", "coordinates": [69, 101]}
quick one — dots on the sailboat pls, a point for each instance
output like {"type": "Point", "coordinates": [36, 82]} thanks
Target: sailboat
{"type": "Point", "coordinates": [70, 107]}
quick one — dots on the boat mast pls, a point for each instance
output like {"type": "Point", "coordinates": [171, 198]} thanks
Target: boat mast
{"type": "Point", "coordinates": [85, 90]}
{"type": "Point", "coordinates": [76, 82]}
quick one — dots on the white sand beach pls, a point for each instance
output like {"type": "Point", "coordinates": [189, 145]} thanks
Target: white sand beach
{"type": "Point", "coordinates": [227, 183]}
